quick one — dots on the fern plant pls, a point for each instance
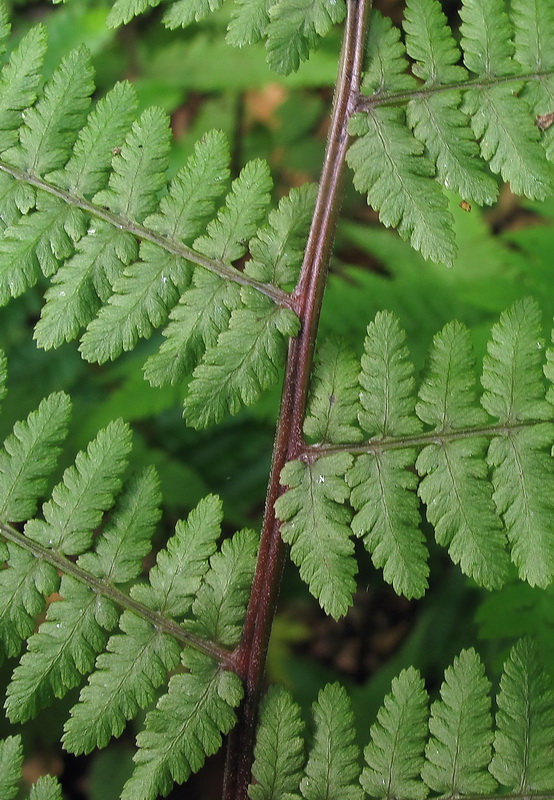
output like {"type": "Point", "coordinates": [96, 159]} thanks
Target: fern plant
{"type": "Point", "coordinates": [362, 448]}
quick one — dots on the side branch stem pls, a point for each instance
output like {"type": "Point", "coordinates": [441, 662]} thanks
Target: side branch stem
{"type": "Point", "coordinates": [251, 653]}
{"type": "Point", "coordinates": [123, 600]}
{"type": "Point", "coordinates": [177, 248]}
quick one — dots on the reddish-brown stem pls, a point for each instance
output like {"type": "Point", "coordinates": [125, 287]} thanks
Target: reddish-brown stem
{"type": "Point", "coordinates": [251, 655]}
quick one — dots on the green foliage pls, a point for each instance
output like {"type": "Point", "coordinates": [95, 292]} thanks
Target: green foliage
{"type": "Point", "coordinates": [403, 155]}
{"type": "Point", "coordinates": [193, 594]}
{"type": "Point", "coordinates": [279, 755]}
{"type": "Point", "coordinates": [394, 756]}
{"type": "Point", "coordinates": [482, 521]}
{"type": "Point", "coordinates": [316, 525]}
{"type": "Point", "coordinates": [410, 752]}
{"type": "Point", "coordinates": [90, 217]}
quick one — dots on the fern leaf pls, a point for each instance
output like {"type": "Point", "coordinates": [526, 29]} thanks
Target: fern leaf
{"type": "Point", "coordinates": [139, 170]}
{"type": "Point", "coordinates": [83, 282]}
{"type": "Point", "coordinates": [245, 361]}
{"type": "Point", "coordinates": [459, 750]}
{"type": "Point", "coordinates": [84, 493]}
{"type": "Point", "coordinates": [86, 172]}
{"type": "Point", "coordinates": [135, 663]}
{"type": "Point", "coordinates": [525, 733]}
{"type": "Point", "coordinates": [248, 23]}
{"type": "Point", "coordinates": [388, 518]}
{"type": "Point", "coordinates": [182, 12]}
{"type": "Point", "coordinates": [386, 58]}
{"type": "Point", "coordinates": [382, 488]}
{"type": "Point", "coordinates": [534, 29]}
{"type": "Point", "coordinates": [137, 660]}
{"type": "Point", "coordinates": [180, 567]}
{"type": "Point", "coordinates": [3, 375]}
{"type": "Point", "coordinates": [509, 140]}
{"type": "Point", "coordinates": [19, 82]}
{"type": "Point", "coordinates": [237, 221]}
{"type": "Point", "coordinates": [126, 539]}
{"type": "Point", "coordinates": [220, 604]}
{"type": "Point", "coordinates": [36, 243]}
{"type": "Point", "coordinates": [523, 474]}
{"type": "Point", "coordinates": [152, 285]}
{"type": "Point", "coordinates": [50, 127]}
{"type": "Point", "coordinates": [389, 165]}
{"type": "Point", "coordinates": [394, 755]}
{"type": "Point", "coordinates": [431, 44]}
{"type": "Point", "coordinates": [387, 380]}
{"type": "Point", "coordinates": [332, 769]}
{"type": "Point", "coordinates": [512, 368]}
{"type": "Point", "coordinates": [139, 304]}
{"type": "Point", "coordinates": [455, 490]}
{"type": "Point", "coordinates": [123, 11]}
{"type": "Point", "coordinates": [278, 248]}
{"type": "Point", "coordinates": [279, 750]}
{"type": "Point", "coordinates": [196, 322]}
{"type": "Point", "coordinates": [46, 788]}
{"type": "Point", "coordinates": [63, 649]}
{"type": "Point", "coordinates": [193, 191]}
{"type": "Point", "coordinates": [295, 29]}
{"type": "Point", "coordinates": [333, 404]}
{"type": "Point", "coordinates": [23, 587]}
{"type": "Point", "coordinates": [29, 457]}
{"type": "Point", "coordinates": [316, 525]}
{"type": "Point", "coordinates": [75, 630]}
{"type": "Point", "coordinates": [11, 761]}
{"type": "Point", "coordinates": [185, 727]}
{"type": "Point", "coordinates": [436, 119]}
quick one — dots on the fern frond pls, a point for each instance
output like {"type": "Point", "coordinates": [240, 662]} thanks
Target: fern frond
{"type": "Point", "coordinates": [394, 755]}
{"type": "Point", "coordinates": [86, 171]}
{"type": "Point", "coordinates": [11, 760]}
{"type": "Point", "coordinates": [295, 28]}
{"type": "Point", "coordinates": [64, 649]}
{"type": "Point", "coordinates": [23, 586]}
{"type": "Point", "coordinates": [389, 165]}
{"type": "Point", "coordinates": [137, 660]}
{"type": "Point", "coordinates": [19, 81]}
{"type": "Point", "coordinates": [46, 788]}
{"type": "Point", "coordinates": [534, 28]}
{"type": "Point", "coordinates": [195, 323]}
{"type": "Point", "coordinates": [248, 22]}
{"type": "Point", "coordinates": [382, 490]}
{"type": "Point", "coordinates": [76, 627]}
{"type": "Point", "coordinates": [279, 750]}
{"type": "Point", "coordinates": [139, 169]}
{"type": "Point", "coordinates": [333, 406]}
{"type": "Point", "coordinates": [244, 362]}
{"type": "Point", "coordinates": [458, 497]}
{"type": "Point", "coordinates": [436, 119]}
{"type": "Point", "coordinates": [277, 249]}
{"type": "Point", "coordinates": [29, 456]}
{"type": "Point", "coordinates": [221, 601]}
{"type": "Point", "coordinates": [84, 493]}
{"type": "Point", "coordinates": [508, 138]}
{"type": "Point", "coordinates": [316, 524]}
{"type": "Point", "coordinates": [123, 11]}
{"type": "Point", "coordinates": [180, 567]}
{"type": "Point", "coordinates": [135, 663]}
{"type": "Point", "coordinates": [51, 126]}
{"type": "Point", "coordinates": [332, 769]}
{"type": "Point", "coordinates": [3, 375]}
{"type": "Point", "coordinates": [184, 728]}
{"type": "Point", "coordinates": [522, 467]}
{"type": "Point", "coordinates": [459, 751]}
{"type": "Point", "coordinates": [522, 759]}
